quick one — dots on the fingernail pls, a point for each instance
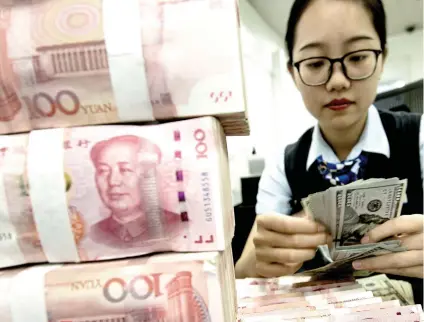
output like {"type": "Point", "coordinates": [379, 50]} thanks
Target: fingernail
{"type": "Point", "coordinates": [365, 240]}
{"type": "Point", "coordinates": [357, 265]}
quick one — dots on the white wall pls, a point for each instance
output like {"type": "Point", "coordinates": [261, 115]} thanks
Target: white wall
{"type": "Point", "coordinates": [405, 61]}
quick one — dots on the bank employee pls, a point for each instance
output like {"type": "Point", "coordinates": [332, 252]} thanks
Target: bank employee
{"type": "Point", "coordinates": [337, 50]}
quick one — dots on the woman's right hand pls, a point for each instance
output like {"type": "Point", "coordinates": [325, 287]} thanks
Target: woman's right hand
{"type": "Point", "coordinates": [282, 243]}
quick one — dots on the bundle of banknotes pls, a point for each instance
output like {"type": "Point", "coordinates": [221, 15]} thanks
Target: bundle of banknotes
{"type": "Point", "coordinates": [197, 287]}
{"type": "Point", "coordinates": [69, 63]}
{"type": "Point", "coordinates": [349, 212]}
{"type": "Point", "coordinates": [302, 298]}
{"type": "Point", "coordinates": [106, 192]}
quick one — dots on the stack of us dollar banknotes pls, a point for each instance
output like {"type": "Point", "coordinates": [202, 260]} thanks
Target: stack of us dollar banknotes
{"type": "Point", "coordinates": [349, 212]}
{"type": "Point", "coordinates": [312, 299]}
{"type": "Point", "coordinates": [126, 222]}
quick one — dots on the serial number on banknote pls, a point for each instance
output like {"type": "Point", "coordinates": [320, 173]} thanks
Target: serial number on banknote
{"type": "Point", "coordinates": [207, 206]}
{"type": "Point", "coordinates": [5, 237]}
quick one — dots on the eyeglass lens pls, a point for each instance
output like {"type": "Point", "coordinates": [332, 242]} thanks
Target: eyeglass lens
{"type": "Point", "coordinates": [358, 65]}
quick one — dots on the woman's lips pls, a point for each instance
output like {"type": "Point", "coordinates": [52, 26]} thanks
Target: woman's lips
{"type": "Point", "coordinates": [339, 107]}
{"type": "Point", "coordinates": [339, 104]}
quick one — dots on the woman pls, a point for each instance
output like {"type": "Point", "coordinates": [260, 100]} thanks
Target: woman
{"type": "Point", "coordinates": [337, 50]}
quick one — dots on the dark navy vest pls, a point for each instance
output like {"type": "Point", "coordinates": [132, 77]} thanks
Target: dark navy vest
{"type": "Point", "coordinates": [402, 130]}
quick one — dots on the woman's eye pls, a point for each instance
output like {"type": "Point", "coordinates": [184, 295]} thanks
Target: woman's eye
{"type": "Point", "coordinates": [316, 64]}
{"type": "Point", "coordinates": [357, 59]}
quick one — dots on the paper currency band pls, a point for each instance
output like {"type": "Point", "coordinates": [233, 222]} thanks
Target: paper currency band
{"type": "Point", "coordinates": [179, 176]}
{"type": "Point", "coordinates": [125, 56]}
{"type": "Point", "coordinates": [33, 300]}
{"type": "Point", "coordinates": [45, 168]}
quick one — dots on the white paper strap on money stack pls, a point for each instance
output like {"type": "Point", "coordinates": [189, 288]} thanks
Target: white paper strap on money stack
{"type": "Point", "coordinates": [105, 61]}
{"type": "Point", "coordinates": [165, 287]}
{"type": "Point", "coordinates": [104, 192]}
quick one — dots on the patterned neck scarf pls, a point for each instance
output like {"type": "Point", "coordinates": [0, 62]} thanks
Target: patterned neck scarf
{"type": "Point", "coordinates": [342, 173]}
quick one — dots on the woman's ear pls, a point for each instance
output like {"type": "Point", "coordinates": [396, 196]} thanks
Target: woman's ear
{"type": "Point", "coordinates": [290, 69]}
{"type": "Point", "coordinates": [385, 53]}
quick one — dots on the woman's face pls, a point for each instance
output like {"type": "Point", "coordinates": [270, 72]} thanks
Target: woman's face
{"type": "Point", "coordinates": [333, 28]}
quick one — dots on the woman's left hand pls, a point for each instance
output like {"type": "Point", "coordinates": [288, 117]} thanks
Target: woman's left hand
{"type": "Point", "coordinates": [409, 230]}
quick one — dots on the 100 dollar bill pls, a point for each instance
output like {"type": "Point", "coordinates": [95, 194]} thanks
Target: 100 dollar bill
{"type": "Point", "coordinates": [361, 208]}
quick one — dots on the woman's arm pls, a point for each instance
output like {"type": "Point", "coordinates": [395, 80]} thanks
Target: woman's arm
{"type": "Point", "coordinates": [274, 196]}
{"type": "Point", "coordinates": [246, 263]}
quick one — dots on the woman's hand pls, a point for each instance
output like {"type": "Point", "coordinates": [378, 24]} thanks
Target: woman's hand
{"type": "Point", "coordinates": [282, 243]}
{"type": "Point", "coordinates": [409, 230]}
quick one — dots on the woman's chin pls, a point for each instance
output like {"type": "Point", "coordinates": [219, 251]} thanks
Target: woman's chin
{"type": "Point", "coordinates": [341, 122]}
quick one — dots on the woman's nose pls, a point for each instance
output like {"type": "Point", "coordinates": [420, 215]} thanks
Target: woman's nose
{"type": "Point", "coordinates": [338, 80]}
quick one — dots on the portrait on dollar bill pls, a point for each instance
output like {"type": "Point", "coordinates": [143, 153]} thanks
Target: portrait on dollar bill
{"type": "Point", "coordinates": [356, 226]}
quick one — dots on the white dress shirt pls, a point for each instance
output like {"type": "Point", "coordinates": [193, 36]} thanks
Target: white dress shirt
{"type": "Point", "coordinates": [274, 193]}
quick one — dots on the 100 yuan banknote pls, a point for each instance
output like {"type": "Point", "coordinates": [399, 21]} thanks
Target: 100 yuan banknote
{"type": "Point", "coordinates": [165, 287]}
{"type": "Point", "coordinates": [67, 63]}
{"type": "Point", "coordinates": [94, 193]}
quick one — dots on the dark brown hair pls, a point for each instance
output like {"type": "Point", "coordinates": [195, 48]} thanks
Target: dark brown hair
{"type": "Point", "coordinates": [375, 7]}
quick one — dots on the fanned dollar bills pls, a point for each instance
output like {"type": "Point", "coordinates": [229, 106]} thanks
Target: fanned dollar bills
{"type": "Point", "coordinates": [349, 212]}
{"type": "Point", "coordinates": [389, 289]}
{"type": "Point", "coordinates": [312, 299]}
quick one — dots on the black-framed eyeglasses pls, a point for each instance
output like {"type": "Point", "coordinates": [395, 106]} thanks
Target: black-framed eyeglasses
{"type": "Point", "coordinates": [356, 65]}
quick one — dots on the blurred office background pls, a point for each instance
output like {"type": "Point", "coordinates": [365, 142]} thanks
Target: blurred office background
{"type": "Point", "coordinates": [276, 112]}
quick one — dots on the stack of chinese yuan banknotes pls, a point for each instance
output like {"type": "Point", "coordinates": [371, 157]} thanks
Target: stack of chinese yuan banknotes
{"type": "Point", "coordinates": [83, 62]}
{"type": "Point", "coordinates": [301, 298]}
{"type": "Point", "coordinates": [98, 194]}
{"type": "Point", "coordinates": [106, 192]}
{"type": "Point", "coordinates": [164, 287]}
{"type": "Point", "coordinates": [115, 197]}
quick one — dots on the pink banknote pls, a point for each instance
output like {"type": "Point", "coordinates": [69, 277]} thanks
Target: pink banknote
{"type": "Point", "coordinates": [104, 192]}
{"type": "Point", "coordinates": [251, 288]}
{"type": "Point", "coordinates": [303, 315]}
{"type": "Point", "coordinates": [412, 313]}
{"type": "Point", "coordinates": [67, 63]}
{"type": "Point", "coordinates": [19, 239]}
{"type": "Point", "coordinates": [299, 296]}
{"type": "Point", "coordinates": [166, 287]}
{"type": "Point", "coordinates": [331, 301]}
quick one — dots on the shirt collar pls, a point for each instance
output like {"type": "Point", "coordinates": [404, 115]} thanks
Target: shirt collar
{"type": "Point", "coordinates": [373, 139]}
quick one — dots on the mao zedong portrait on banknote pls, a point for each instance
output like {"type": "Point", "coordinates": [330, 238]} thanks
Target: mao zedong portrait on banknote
{"type": "Point", "coordinates": [125, 168]}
